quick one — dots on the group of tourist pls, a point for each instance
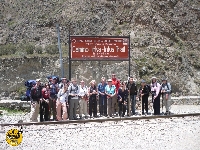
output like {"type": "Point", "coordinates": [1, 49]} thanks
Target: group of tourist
{"type": "Point", "coordinates": [70, 100]}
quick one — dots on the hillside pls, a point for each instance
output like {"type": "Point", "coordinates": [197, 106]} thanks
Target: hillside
{"type": "Point", "coordinates": [165, 37]}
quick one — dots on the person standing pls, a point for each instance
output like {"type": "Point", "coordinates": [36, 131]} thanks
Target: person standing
{"type": "Point", "coordinates": [115, 82]}
{"type": "Point", "coordinates": [133, 93]}
{"type": "Point", "coordinates": [123, 93]}
{"type": "Point", "coordinates": [35, 97]}
{"type": "Point", "coordinates": [73, 99]}
{"type": "Point", "coordinates": [93, 99]}
{"type": "Point", "coordinates": [61, 103]}
{"type": "Point", "coordinates": [155, 91]}
{"type": "Point", "coordinates": [143, 95]}
{"type": "Point", "coordinates": [166, 94]}
{"type": "Point", "coordinates": [110, 91]}
{"type": "Point", "coordinates": [102, 97]}
{"type": "Point", "coordinates": [44, 105]}
{"type": "Point", "coordinates": [53, 97]}
{"type": "Point", "coordinates": [83, 94]}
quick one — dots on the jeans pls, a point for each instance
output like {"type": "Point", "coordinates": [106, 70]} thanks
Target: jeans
{"type": "Point", "coordinates": [103, 105]}
{"type": "Point", "coordinates": [133, 101]}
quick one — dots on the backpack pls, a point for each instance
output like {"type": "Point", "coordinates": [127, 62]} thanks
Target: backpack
{"type": "Point", "coordinates": [29, 84]}
{"type": "Point", "coordinates": [53, 89]}
{"type": "Point", "coordinates": [148, 88]}
{"type": "Point", "coordinates": [168, 88]}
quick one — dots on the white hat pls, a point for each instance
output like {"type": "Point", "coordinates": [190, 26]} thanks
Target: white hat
{"type": "Point", "coordinates": [109, 80]}
{"type": "Point", "coordinates": [154, 77]}
{"type": "Point", "coordinates": [37, 80]}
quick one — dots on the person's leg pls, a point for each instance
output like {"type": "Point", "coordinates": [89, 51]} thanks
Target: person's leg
{"type": "Point", "coordinates": [64, 108]}
{"type": "Point", "coordinates": [71, 108]}
{"type": "Point", "coordinates": [58, 109]}
{"type": "Point", "coordinates": [101, 105]}
{"type": "Point", "coordinates": [120, 108]}
{"type": "Point", "coordinates": [76, 102]}
{"type": "Point", "coordinates": [42, 111]}
{"type": "Point", "coordinates": [112, 106]}
{"type": "Point", "coordinates": [105, 106]}
{"type": "Point", "coordinates": [95, 106]}
{"type": "Point", "coordinates": [46, 111]}
{"type": "Point", "coordinates": [90, 107]}
{"type": "Point", "coordinates": [109, 107]}
{"type": "Point", "coordinates": [146, 104]}
{"type": "Point", "coordinates": [54, 108]}
{"type": "Point", "coordinates": [33, 115]}
{"type": "Point", "coordinates": [85, 112]}
{"type": "Point", "coordinates": [143, 102]}
{"type": "Point", "coordinates": [81, 103]}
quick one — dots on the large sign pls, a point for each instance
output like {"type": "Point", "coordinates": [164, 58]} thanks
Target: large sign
{"type": "Point", "coordinates": [99, 48]}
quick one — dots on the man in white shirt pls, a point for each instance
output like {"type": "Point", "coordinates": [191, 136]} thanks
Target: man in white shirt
{"type": "Point", "coordinates": [83, 94]}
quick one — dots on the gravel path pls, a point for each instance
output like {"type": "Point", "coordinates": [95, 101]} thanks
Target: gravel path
{"type": "Point", "coordinates": [161, 134]}
{"type": "Point", "coordinates": [173, 134]}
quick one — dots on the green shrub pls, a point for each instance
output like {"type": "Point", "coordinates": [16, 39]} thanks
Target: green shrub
{"type": "Point", "coordinates": [7, 49]}
{"type": "Point", "coordinates": [38, 50]}
{"type": "Point", "coordinates": [52, 49]}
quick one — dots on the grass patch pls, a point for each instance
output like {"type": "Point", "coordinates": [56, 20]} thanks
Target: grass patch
{"type": "Point", "coordinates": [12, 111]}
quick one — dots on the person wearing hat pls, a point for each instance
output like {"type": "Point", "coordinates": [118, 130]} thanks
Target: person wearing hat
{"type": "Point", "coordinates": [63, 82]}
{"type": "Point", "coordinates": [166, 94]}
{"type": "Point", "coordinates": [35, 97]}
{"type": "Point", "coordinates": [132, 88]}
{"type": "Point", "coordinates": [83, 94]}
{"type": "Point", "coordinates": [155, 91]}
{"type": "Point", "coordinates": [61, 103]}
{"type": "Point", "coordinates": [110, 91]}
{"type": "Point", "coordinates": [53, 97]}
{"type": "Point", "coordinates": [143, 95]}
{"type": "Point", "coordinates": [102, 97]}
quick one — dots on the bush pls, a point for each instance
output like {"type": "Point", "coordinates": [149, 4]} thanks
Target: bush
{"type": "Point", "coordinates": [38, 50]}
{"type": "Point", "coordinates": [7, 49]}
{"type": "Point", "coordinates": [52, 49]}
{"type": "Point", "coordinates": [28, 48]}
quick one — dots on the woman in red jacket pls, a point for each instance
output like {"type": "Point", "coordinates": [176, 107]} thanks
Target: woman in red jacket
{"type": "Point", "coordinates": [44, 107]}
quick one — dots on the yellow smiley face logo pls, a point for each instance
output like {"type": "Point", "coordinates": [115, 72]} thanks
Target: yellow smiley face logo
{"type": "Point", "coordinates": [14, 137]}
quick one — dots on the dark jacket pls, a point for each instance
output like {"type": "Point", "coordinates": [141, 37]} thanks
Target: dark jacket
{"type": "Point", "coordinates": [36, 93]}
{"type": "Point", "coordinates": [123, 94]}
{"type": "Point", "coordinates": [133, 89]}
{"type": "Point", "coordinates": [144, 91]}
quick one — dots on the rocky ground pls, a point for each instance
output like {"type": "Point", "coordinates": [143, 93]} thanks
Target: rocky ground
{"type": "Point", "coordinates": [172, 133]}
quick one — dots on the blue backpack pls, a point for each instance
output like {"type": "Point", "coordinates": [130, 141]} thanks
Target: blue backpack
{"type": "Point", "coordinates": [29, 84]}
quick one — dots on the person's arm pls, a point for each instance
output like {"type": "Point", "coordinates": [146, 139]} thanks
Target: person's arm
{"type": "Point", "coordinates": [31, 94]}
{"type": "Point", "coordinates": [59, 94]}
{"type": "Point", "coordinates": [157, 90]}
{"type": "Point", "coordinates": [115, 92]}
{"type": "Point", "coordinates": [169, 88]}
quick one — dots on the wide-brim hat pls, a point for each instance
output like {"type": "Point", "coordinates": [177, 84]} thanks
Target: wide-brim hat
{"type": "Point", "coordinates": [109, 80]}
{"type": "Point", "coordinates": [37, 80]}
{"type": "Point", "coordinates": [153, 78]}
